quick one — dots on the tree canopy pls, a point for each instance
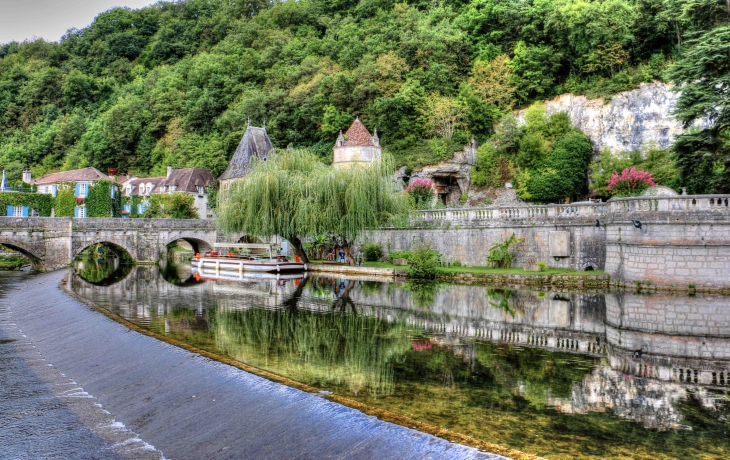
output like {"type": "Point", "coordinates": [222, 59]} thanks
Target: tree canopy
{"type": "Point", "coordinates": [175, 83]}
{"type": "Point", "coordinates": [294, 195]}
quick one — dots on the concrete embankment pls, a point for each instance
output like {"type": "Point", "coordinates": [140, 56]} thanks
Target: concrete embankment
{"type": "Point", "coordinates": [188, 406]}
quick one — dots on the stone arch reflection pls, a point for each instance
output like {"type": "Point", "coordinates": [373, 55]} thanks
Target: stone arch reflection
{"type": "Point", "coordinates": [103, 263]}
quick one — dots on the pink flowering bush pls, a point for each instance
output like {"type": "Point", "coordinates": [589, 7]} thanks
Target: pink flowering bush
{"type": "Point", "coordinates": [422, 191]}
{"type": "Point", "coordinates": [631, 182]}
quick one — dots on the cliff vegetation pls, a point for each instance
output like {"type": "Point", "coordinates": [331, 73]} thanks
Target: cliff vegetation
{"type": "Point", "coordinates": [175, 83]}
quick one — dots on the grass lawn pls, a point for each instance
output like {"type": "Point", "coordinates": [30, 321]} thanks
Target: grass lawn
{"type": "Point", "coordinates": [500, 271]}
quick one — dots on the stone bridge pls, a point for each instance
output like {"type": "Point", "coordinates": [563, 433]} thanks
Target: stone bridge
{"type": "Point", "coordinates": [53, 242]}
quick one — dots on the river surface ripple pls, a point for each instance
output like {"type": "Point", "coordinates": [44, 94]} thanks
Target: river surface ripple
{"type": "Point", "coordinates": [561, 375]}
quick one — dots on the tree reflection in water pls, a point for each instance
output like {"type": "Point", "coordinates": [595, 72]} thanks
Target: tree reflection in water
{"type": "Point", "coordinates": [486, 362]}
{"type": "Point", "coordinates": [103, 264]}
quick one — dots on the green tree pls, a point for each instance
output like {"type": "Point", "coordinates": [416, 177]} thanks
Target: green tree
{"type": "Point", "coordinates": [703, 76]}
{"type": "Point", "coordinates": [294, 195]}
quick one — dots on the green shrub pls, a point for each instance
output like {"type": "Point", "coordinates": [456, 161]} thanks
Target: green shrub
{"type": "Point", "coordinates": [542, 266]}
{"type": "Point", "coordinates": [372, 252]}
{"type": "Point", "coordinates": [399, 255]}
{"type": "Point", "coordinates": [422, 263]}
{"type": "Point", "coordinates": [499, 254]}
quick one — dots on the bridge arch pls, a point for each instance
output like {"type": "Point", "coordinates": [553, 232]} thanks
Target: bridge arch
{"type": "Point", "coordinates": [115, 246]}
{"type": "Point", "coordinates": [196, 244]}
{"type": "Point", "coordinates": [35, 260]}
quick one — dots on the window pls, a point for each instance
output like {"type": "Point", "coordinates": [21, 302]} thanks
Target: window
{"type": "Point", "coordinates": [82, 211]}
{"type": "Point", "coordinates": [81, 190]}
{"type": "Point", "coordinates": [173, 187]}
{"type": "Point", "coordinates": [17, 211]}
{"type": "Point", "coordinates": [162, 188]}
{"type": "Point", "coordinates": [201, 190]}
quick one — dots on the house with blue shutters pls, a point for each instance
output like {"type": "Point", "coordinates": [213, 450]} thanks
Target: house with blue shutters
{"type": "Point", "coordinates": [80, 179]}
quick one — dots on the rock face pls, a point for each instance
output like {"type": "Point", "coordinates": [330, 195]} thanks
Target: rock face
{"type": "Point", "coordinates": [632, 120]}
{"type": "Point", "coordinates": [451, 176]}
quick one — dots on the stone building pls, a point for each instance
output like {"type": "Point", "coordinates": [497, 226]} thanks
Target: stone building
{"type": "Point", "coordinates": [255, 143]}
{"type": "Point", "coordinates": [357, 146]}
{"type": "Point", "coordinates": [193, 181]}
{"type": "Point", "coordinates": [80, 179]}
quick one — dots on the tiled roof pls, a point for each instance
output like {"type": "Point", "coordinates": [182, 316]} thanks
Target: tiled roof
{"type": "Point", "coordinates": [76, 175]}
{"type": "Point", "coordinates": [135, 183]}
{"type": "Point", "coordinates": [184, 180]}
{"type": "Point", "coordinates": [255, 143]}
{"type": "Point", "coordinates": [188, 179]}
{"type": "Point", "coordinates": [358, 134]}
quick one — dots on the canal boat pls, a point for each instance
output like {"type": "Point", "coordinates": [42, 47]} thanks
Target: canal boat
{"type": "Point", "coordinates": [226, 275]}
{"type": "Point", "coordinates": [246, 263]}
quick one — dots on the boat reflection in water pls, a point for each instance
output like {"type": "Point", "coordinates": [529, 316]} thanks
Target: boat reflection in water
{"type": "Point", "coordinates": [561, 375]}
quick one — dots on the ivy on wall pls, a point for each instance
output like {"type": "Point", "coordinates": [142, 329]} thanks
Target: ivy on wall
{"type": "Point", "coordinates": [99, 202]}
{"type": "Point", "coordinates": [65, 201]}
{"type": "Point", "coordinates": [134, 201]}
{"type": "Point", "coordinates": [175, 205]}
{"type": "Point", "coordinates": [38, 201]}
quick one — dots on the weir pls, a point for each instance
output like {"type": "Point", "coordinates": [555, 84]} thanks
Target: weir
{"type": "Point", "coordinates": [187, 406]}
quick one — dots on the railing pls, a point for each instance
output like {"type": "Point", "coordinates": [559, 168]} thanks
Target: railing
{"type": "Point", "coordinates": [682, 203]}
{"type": "Point", "coordinates": [560, 211]}
{"type": "Point", "coordinates": [669, 204]}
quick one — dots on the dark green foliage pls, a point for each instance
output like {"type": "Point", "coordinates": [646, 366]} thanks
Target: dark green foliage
{"type": "Point", "coordinates": [175, 83]}
{"type": "Point", "coordinates": [562, 173]}
{"type": "Point", "coordinates": [373, 252]}
{"type": "Point", "coordinates": [704, 75]}
{"type": "Point", "coordinates": [65, 201]}
{"type": "Point", "coordinates": [99, 202]}
{"type": "Point", "coordinates": [422, 262]}
{"type": "Point", "coordinates": [39, 201]}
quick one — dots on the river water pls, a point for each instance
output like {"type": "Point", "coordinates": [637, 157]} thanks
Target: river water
{"type": "Point", "coordinates": [560, 375]}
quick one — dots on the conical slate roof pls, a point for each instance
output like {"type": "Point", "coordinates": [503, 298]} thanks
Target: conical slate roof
{"type": "Point", "coordinates": [358, 134]}
{"type": "Point", "coordinates": [255, 143]}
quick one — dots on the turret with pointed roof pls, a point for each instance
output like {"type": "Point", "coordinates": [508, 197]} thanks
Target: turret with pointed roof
{"type": "Point", "coordinates": [357, 146]}
{"type": "Point", "coordinates": [255, 143]}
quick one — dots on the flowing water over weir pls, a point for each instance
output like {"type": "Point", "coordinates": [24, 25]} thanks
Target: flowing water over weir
{"type": "Point", "coordinates": [560, 375]}
{"type": "Point", "coordinates": [76, 384]}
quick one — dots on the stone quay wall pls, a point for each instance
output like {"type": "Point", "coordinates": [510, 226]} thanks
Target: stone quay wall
{"type": "Point", "coordinates": [678, 242]}
{"type": "Point", "coordinates": [560, 236]}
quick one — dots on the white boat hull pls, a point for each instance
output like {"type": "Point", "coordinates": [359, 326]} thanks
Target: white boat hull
{"type": "Point", "coordinates": [242, 265]}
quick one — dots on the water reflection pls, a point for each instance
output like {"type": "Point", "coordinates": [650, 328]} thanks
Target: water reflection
{"type": "Point", "coordinates": [556, 374]}
{"type": "Point", "coordinates": [102, 265]}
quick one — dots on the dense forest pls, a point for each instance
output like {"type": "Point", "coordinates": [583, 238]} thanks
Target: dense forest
{"type": "Point", "coordinates": [175, 83]}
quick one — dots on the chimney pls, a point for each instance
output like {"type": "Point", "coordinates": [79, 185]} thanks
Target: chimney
{"type": "Point", "coordinates": [27, 176]}
{"type": "Point", "coordinates": [169, 171]}
{"type": "Point", "coordinates": [112, 172]}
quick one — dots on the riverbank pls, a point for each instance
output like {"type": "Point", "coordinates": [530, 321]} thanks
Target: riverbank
{"type": "Point", "coordinates": [189, 406]}
{"type": "Point", "coordinates": [478, 275]}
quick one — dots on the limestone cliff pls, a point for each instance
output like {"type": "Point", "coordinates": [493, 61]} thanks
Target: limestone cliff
{"type": "Point", "coordinates": [632, 120]}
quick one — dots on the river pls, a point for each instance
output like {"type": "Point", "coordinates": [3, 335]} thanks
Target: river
{"type": "Point", "coordinates": [556, 374]}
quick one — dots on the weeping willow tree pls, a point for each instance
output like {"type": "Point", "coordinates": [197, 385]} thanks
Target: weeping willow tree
{"type": "Point", "coordinates": [295, 195]}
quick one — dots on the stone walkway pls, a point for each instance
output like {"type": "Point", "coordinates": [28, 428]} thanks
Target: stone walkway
{"type": "Point", "coordinates": [137, 392]}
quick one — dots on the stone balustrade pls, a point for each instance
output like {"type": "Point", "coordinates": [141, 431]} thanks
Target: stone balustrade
{"type": "Point", "coordinates": [589, 210]}
{"type": "Point", "coordinates": [671, 204]}
{"type": "Point", "coordinates": [546, 212]}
